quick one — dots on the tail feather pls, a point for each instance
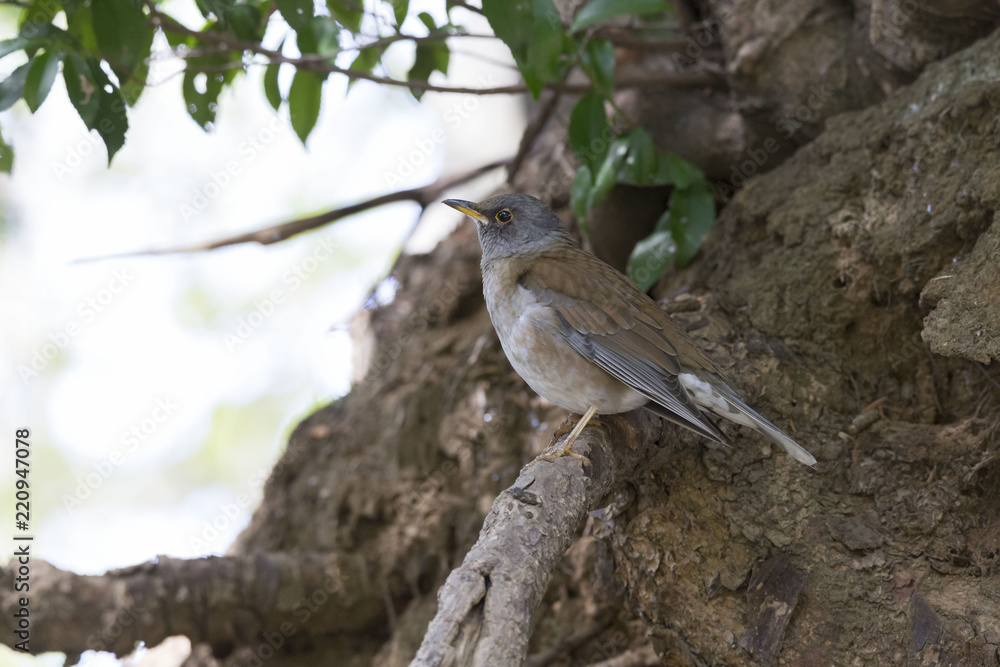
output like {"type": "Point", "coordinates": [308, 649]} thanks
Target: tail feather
{"type": "Point", "coordinates": [773, 433]}
{"type": "Point", "coordinates": [718, 397]}
{"type": "Point", "coordinates": [706, 427]}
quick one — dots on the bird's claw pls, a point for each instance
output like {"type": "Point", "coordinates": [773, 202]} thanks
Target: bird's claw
{"type": "Point", "coordinates": [565, 450]}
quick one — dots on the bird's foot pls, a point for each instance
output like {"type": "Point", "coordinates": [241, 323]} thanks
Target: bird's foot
{"type": "Point", "coordinates": [566, 449]}
{"type": "Point", "coordinates": [572, 419]}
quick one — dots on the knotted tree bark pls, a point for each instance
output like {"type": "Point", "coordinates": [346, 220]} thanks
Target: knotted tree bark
{"type": "Point", "coordinates": [851, 291]}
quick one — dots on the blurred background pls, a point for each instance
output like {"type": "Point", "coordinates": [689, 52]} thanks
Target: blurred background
{"type": "Point", "coordinates": [159, 391]}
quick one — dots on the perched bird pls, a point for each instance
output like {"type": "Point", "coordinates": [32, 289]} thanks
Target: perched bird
{"type": "Point", "coordinates": [588, 340]}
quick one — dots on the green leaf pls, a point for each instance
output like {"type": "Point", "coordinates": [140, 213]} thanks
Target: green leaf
{"type": "Point", "coordinates": [6, 156]}
{"type": "Point", "coordinates": [319, 35]}
{"type": "Point", "coordinates": [348, 13]}
{"type": "Point", "coordinates": [304, 98]}
{"type": "Point", "coordinates": [598, 61]}
{"type": "Point", "coordinates": [12, 88]}
{"type": "Point", "coordinates": [579, 194]}
{"type": "Point", "coordinates": [651, 258]}
{"type": "Point", "coordinates": [682, 173]}
{"type": "Point", "coordinates": [642, 163]}
{"type": "Point", "coordinates": [219, 9]}
{"type": "Point", "coordinates": [80, 24]}
{"type": "Point", "coordinates": [9, 46]}
{"type": "Point", "coordinates": [111, 121]}
{"type": "Point", "coordinates": [692, 212]}
{"type": "Point", "coordinates": [123, 34]}
{"type": "Point", "coordinates": [602, 10]}
{"type": "Point", "coordinates": [548, 42]}
{"type": "Point", "coordinates": [327, 35]}
{"type": "Point", "coordinates": [297, 13]}
{"type": "Point", "coordinates": [201, 95]}
{"type": "Point", "coordinates": [366, 61]}
{"type": "Point", "coordinates": [533, 32]}
{"type": "Point", "coordinates": [607, 175]}
{"type": "Point", "coordinates": [134, 84]}
{"type": "Point", "coordinates": [271, 90]}
{"type": "Point", "coordinates": [81, 88]}
{"type": "Point", "coordinates": [37, 13]}
{"type": "Point", "coordinates": [589, 131]}
{"type": "Point", "coordinates": [428, 21]}
{"type": "Point", "coordinates": [244, 20]}
{"type": "Point", "coordinates": [41, 74]}
{"type": "Point", "coordinates": [399, 9]}
{"type": "Point", "coordinates": [430, 57]}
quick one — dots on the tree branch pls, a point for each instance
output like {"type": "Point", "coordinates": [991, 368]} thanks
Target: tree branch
{"type": "Point", "coordinates": [294, 595]}
{"type": "Point", "coordinates": [485, 607]}
{"type": "Point", "coordinates": [322, 63]}
{"type": "Point", "coordinates": [423, 195]}
{"type": "Point", "coordinates": [378, 42]}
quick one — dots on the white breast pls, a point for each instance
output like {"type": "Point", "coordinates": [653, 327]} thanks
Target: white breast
{"type": "Point", "coordinates": [530, 336]}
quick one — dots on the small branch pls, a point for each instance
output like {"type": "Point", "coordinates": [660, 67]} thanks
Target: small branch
{"type": "Point", "coordinates": [322, 63]}
{"type": "Point", "coordinates": [485, 607]}
{"type": "Point", "coordinates": [423, 195]}
{"type": "Point", "coordinates": [392, 39]}
{"type": "Point", "coordinates": [465, 5]}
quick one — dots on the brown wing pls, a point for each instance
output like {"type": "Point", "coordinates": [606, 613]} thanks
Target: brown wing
{"type": "Point", "coordinates": [608, 320]}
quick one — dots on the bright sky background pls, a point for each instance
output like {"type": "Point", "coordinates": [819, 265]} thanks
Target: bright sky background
{"type": "Point", "coordinates": [146, 420]}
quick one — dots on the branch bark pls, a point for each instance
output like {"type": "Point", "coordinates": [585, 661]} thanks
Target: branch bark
{"type": "Point", "coordinates": [422, 195]}
{"type": "Point", "coordinates": [486, 606]}
{"type": "Point", "coordinates": [224, 602]}
{"type": "Point", "coordinates": [323, 63]}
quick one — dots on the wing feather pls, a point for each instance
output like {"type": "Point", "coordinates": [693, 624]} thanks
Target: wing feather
{"type": "Point", "coordinates": [610, 322]}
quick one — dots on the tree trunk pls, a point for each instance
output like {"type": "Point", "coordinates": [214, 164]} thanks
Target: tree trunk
{"type": "Point", "coordinates": [853, 294]}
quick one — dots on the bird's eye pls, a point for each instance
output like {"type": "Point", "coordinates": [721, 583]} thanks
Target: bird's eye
{"type": "Point", "coordinates": [504, 216]}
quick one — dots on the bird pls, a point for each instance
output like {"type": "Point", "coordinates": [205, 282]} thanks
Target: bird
{"type": "Point", "coordinates": [586, 339]}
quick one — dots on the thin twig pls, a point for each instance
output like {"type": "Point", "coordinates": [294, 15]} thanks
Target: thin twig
{"type": "Point", "coordinates": [423, 195]}
{"type": "Point", "coordinates": [322, 63]}
{"type": "Point", "coordinates": [465, 5]}
{"type": "Point", "coordinates": [401, 37]}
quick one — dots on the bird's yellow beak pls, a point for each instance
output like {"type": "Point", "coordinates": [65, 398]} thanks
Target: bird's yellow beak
{"type": "Point", "coordinates": [468, 208]}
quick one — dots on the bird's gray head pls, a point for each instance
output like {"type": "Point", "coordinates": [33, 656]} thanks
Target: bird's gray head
{"type": "Point", "coordinates": [512, 224]}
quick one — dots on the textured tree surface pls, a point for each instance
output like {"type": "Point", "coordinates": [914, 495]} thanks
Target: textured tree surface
{"type": "Point", "coordinates": [852, 292]}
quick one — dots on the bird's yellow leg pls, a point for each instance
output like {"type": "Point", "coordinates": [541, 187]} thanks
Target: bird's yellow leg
{"type": "Point", "coordinates": [567, 447]}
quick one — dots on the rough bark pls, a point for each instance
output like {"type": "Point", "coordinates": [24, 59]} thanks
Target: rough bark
{"type": "Point", "coordinates": [485, 607]}
{"type": "Point", "coordinates": [255, 601]}
{"type": "Point", "coordinates": [851, 292]}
